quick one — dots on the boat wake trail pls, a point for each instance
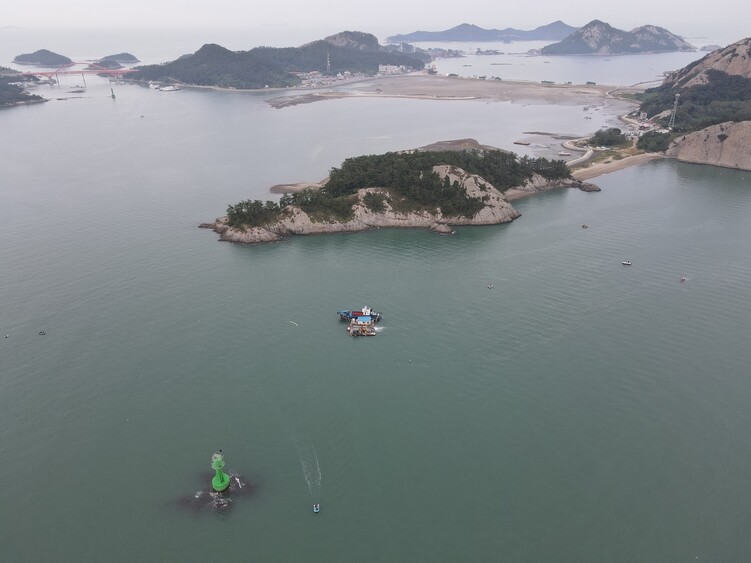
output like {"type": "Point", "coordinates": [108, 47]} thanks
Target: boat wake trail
{"type": "Point", "coordinates": [311, 469]}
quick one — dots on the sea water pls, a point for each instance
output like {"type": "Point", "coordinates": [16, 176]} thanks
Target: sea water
{"type": "Point", "coordinates": [578, 410]}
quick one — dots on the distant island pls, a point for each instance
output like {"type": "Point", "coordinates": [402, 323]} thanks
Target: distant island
{"type": "Point", "coordinates": [267, 67]}
{"type": "Point", "coordinates": [42, 57]}
{"type": "Point", "coordinates": [468, 32]}
{"type": "Point", "coordinates": [431, 188]}
{"type": "Point", "coordinates": [104, 64]}
{"type": "Point", "coordinates": [121, 58]}
{"type": "Point", "coordinates": [114, 62]}
{"type": "Point", "coordinates": [600, 38]}
{"type": "Point", "coordinates": [12, 91]}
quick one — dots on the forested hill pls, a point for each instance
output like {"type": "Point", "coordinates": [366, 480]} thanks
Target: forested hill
{"type": "Point", "coordinates": [715, 89]}
{"type": "Point", "coordinates": [213, 65]}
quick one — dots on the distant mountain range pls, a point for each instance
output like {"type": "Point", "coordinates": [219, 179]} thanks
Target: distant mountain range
{"type": "Point", "coordinates": [468, 32]}
{"type": "Point", "coordinates": [213, 65]}
{"type": "Point", "coordinates": [600, 38]}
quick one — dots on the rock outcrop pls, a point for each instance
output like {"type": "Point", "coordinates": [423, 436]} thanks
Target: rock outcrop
{"type": "Point", "coordinates": [726, 144]}
{"type": "Point", "coordinates": [538, 184]}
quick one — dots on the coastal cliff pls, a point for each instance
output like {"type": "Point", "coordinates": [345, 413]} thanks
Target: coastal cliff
{"type": "Point", "coordinates": [496, 210]}
{"type": "Point", "coordinates": [726, 144]}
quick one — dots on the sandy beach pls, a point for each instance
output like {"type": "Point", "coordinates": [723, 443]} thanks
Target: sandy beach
{"type": "Point", "coordinates": [605, 167]}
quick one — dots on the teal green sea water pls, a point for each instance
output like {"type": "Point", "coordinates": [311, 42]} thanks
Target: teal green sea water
{"type": "Point", "coordinates": [579, 410]}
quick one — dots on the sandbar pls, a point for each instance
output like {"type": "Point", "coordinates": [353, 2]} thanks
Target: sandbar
{"type": "Point", "coordinates": [430, 87]}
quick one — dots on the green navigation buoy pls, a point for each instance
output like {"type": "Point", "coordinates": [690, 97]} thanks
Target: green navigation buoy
{"type": "Point", "coordinates": [220, 481]}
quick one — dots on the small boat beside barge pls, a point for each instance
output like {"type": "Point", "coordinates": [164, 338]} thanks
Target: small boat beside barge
{"type": "Point", "coordinates": [347, 315]}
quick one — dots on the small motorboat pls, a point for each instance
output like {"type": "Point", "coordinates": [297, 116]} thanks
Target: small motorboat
{"type": "Point", "coordinates": [683, 279]}
{"type": "Point", "coordinates": [316, 508]}
{"type": "Point", "coordinates": [42, 333]}
{"type": "Point", "coordinates": [626, 262]}
{"type": "Point", "coordinates": [490, 286]}
{"type": "Point", "coordinates": [585, 226]}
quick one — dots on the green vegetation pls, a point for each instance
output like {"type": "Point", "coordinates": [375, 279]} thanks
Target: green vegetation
{"type": "Point", "coordinates": [409, 180]}
{"type": "Point", "coordinates": [213, 65]}
{"type": "Point", "coordinates": [609, 138]}
{"type": "Point", "coordinates": [375, 202]}
{"type": "Point", "coordinates": [652, 141]}
{"type": "Point", "coordinates": [252, 212]}
{"type": "Point", "coordinates": [723, 98]}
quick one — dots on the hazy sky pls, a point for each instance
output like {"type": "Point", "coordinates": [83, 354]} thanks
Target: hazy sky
{"type": "Point", "coordinates": [690, 17]}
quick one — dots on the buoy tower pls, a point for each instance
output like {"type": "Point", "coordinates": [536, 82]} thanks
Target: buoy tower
{"type": "Point", "coordinates": [220, 481]}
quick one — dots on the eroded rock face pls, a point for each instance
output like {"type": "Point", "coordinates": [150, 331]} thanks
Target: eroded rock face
{"type": "Point", "coordinates": [727, 144]}
{"type": "Point", "coordinates": [538, 184]}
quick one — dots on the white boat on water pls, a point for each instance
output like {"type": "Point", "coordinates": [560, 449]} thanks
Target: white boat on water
{"type": "Point", "coordinates": [170, 88]}
{"type": "Point", "coordinates": [564, 153]}
{"type": "Point", "coordinates": [626, 262]}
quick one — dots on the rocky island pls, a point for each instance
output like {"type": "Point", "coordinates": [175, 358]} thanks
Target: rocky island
{"type": "Point", "coordinates": [600, 38]}
{"type": "Point", "coordinates": [430, 188]}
